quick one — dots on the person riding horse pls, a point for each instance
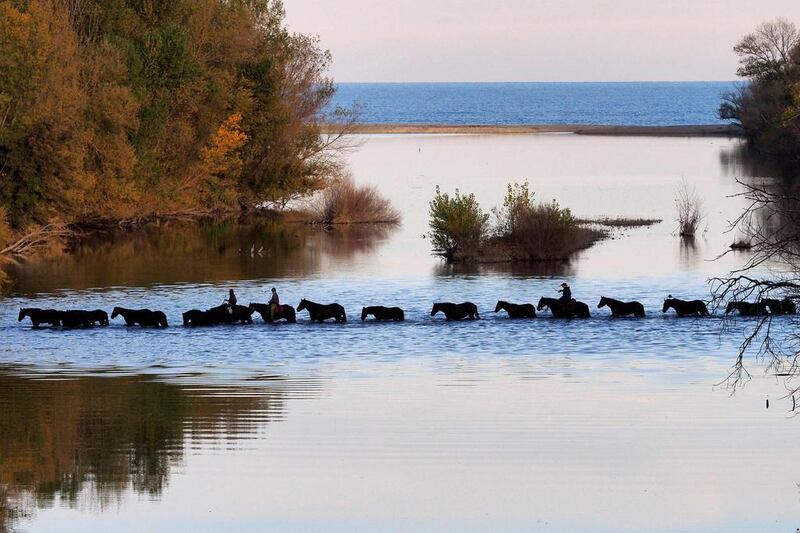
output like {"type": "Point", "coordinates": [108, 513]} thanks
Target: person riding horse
{"type": "Point", "coordinates": [231, 301]}
{"type": "Point", "coordinates": [566, 293]}
{"type": "Point", "coordinates": [274, 304]}
{"type": "Point", "coordinates": [566, 297]}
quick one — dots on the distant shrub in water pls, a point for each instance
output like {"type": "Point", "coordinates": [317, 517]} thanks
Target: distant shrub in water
{"type": "Point", "coordinates": [344, 202]}
{"type": "Point", "coordinates": [689, 209]}
{"type": "Point", "coordinates": [522, 231]}
{"type": "Point", "coordinates": [539, 232]}
{"type": "Point", "coordinates": [458, 225]}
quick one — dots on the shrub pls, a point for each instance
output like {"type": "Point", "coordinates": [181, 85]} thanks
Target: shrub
{"type": "Point", "coordinates": [458, 225]}
{"type": "Point", "coordinates": [539, 232]}
{"type": "Point", "coordinates": [344, 202]}
{"type": "Point", "coordinates": [690, 209]}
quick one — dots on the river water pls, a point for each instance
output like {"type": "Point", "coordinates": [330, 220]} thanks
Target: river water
{"type": "Point", "coordinates": [540, 425]}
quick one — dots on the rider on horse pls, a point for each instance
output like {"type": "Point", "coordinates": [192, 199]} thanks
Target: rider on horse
{"type": "Point", "coordinates": [566, 296]}
{"type": "Point", "coordinates": [274, 304]}
{"type": "Point", "coordinates": [231, 301]}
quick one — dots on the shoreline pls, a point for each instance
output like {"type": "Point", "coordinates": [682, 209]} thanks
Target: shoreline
{"type": "Point", "coordinates": [708, 130]}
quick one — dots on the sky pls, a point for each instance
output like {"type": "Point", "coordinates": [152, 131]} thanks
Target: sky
{"type": "Point", "coordinates": [533, 40]}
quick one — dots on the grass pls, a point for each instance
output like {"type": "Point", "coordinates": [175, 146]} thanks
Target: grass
{"type": "Point", "coordinates": [690, 209]}
{"type": "Point", "coordinates": [620, 222]}
{"type": "Point", "coordinates": [344, 202]}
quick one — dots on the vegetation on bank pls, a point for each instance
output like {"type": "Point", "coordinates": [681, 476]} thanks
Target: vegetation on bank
{"type": "Point", "coordinates": [124, 110]}
{"type": "Point", "coordinates": [523, 230]}
{"type": "Point", "coordinates": [344, 202]}
{"type": "Point", "coordinates": [767, 106]}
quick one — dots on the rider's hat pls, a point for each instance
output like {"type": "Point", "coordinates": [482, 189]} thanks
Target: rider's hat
{"type": "Point", "coordinates": [564, 285]}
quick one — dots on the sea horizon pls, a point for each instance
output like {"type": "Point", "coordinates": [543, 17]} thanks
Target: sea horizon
{"type": "Point", "coordinates": [615, 103]}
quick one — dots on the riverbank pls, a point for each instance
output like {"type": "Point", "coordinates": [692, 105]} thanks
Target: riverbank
{"type": "Point", "coordinates": [709, 130]}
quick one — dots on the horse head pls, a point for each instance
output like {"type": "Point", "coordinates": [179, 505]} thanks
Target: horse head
{"type": "Point", "coordinates": [115, 312]}
{"type": "Point", "coordinates": [542, 303]}
{"type": "Point", "coordinates": [363, 313]}
{"type": "Point", "coordinates": [667, 303]}
{"type": "Point", "coordinates": [603, 302]}
{"type": "Point", "coordinates": [499, 306]}
{"type": "Point", "coordinates": [436, 308]}
{"type": "Point", "coordinates": [731, 306]}
{"type": "Point", "coordinates": [302, 305]}
{"type": "Point", "coordinates": [22, 314]}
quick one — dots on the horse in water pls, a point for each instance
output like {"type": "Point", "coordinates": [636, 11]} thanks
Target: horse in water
{"type": "Point", "coordinates": [142, 317]}
{"type": "Point", "coordinates": [622, 308]}
{"type": "Point", "coordinates": [456, 311]}
{"type": "Point", "coordinates": [516, 310]}
{"type": "Point", "coordinates": [284, 312]}
{"type": "Point", "coordinates": [747, 308]}
{"type": "Point", "coordinates": [230, 314]}
{"type": "Point", "coordinates": [383, 313]}
{"type": "Point", "coordinates": [685, 308]}
{"type": "Point", "coordinates": [780, 307]}
{"type": "Point", "coordinates": [196, 317]}
{"type": "Point", "coordinates": [40, 316]}
{"type": "Point", "coordinates": [320, 313]}
{"type": "Point", "coordinates": [562, 309]}
{"type": "Point", "coordinates": [83, 319]}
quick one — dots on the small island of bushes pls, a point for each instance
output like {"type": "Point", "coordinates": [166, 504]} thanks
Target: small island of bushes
{"type": "Point", "coordinates": [521, 230]}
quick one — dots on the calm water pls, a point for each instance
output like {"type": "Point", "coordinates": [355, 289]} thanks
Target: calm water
{"type": "Point", "coordinates": [613, 103]}
{"type": "Point", "coordinates": [540, 425]}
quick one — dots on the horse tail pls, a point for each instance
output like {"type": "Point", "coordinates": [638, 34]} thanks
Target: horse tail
{"type": "Point", "coordinates": [639, 310]}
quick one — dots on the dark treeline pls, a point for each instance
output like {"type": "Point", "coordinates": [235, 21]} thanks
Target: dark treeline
{"type": "Point", "coordinates": [767, 107]}
{"type": "Point", "coordinates": [121, 109]}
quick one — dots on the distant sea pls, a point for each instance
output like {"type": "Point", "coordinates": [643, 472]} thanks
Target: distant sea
{"type": "Point", "coordinates": [608, 103]}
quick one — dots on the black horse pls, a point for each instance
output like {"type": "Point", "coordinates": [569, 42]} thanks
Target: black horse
{"type": "Point", "coordinates": [622, 308]}
{"type": "Point", "coordinates": [284, 312]}
{"type": "Point", "coordinates": [196, 317]}
{"type": "Point", "coordinates": [516, 310]}
{"type": "Point", "coordinates": [142, 317]}
{"type": "Point", "coordinates": [320, 313]}
{"type": "Point", "coordinates": [40, 316]}
{"type": "Point", "coordinates": [456, 311]}
{"type": "Point", "coordinates": [685, 308]}
{"type": "Point", "coordinates": [561, 309]}
{"type": "Point", "coordinates": [383, 313]}
{"type": "Point", "coordinates": [780, 307]}
{"type": "Point", "coordinates": [230, 314]}
{"type": "Point", "coordinates": [747, 308]}
{"type": "Point", "coordinates": [83, 319]}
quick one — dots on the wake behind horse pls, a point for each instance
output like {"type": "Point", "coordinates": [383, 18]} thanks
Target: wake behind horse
{"type": "Point", "coordinates": [516, 310]}
{"type": "Point", "coordinates": [456, 311]}
{"type": "Point", "coordinates": [322, 312]}
{"type": "Point", "coordinates": [383, 313]}
{"type": "Point", "coordinates": [685, 308]}
{"type": "Point", "coordinates": [747, 308]}
{"type": "Point", "coordinates": [619, 308]}
{"type": "Point", "coordinates": [564, 309]}
{"type": "Point", "coordinates": [142, 317]}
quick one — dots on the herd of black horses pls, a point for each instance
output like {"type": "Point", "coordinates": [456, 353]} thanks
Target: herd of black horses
{"type": "Point", "coordinates": [240, 314]}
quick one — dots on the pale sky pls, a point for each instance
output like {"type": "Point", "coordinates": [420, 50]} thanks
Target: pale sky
{"type": "Point", "coordinates": [533, 40]}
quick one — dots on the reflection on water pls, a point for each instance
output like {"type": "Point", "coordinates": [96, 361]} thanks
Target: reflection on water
{"type": "Point", "coordinates": [493, 424]}
{"type": "Point", "coordinates": [89, 439]}
{"type": "Point", "coordinates": [187, 252]}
